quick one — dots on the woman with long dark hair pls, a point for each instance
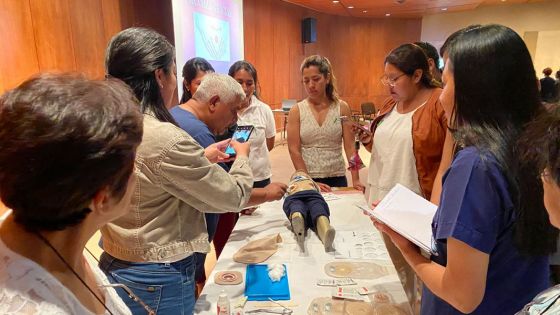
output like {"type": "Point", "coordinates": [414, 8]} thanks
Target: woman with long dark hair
{"type": "Point", "coordinates": [151, 248]}
{"type": "Point", "coordinates": [491, 232]}
{"type": "Point", "coordinates": [315, 131]}
{"type": "Point", "coordinates": [408, 140]}
{"type": "Point", "coordinates": [193, 71]}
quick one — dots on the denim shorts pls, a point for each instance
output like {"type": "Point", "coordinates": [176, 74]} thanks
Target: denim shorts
{"type": "Point", "coordinates": [168, 288]}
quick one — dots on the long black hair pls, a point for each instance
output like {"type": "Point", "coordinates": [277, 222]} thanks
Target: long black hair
{"type": "Point", "coordinates": [247, 66]}
{"type": "Point", "coordinates": [132, 56]}
{"type": "Point", "coordinates": [190, 70]}
{"type": "Point", "coordinates": [496, 96]}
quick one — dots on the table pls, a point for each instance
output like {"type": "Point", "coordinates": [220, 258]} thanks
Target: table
{"type": "Point", "coordinates": [303, 269]}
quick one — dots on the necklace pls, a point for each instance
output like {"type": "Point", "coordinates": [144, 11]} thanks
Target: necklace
{"type": "Point", "coordinates": [72, 269]}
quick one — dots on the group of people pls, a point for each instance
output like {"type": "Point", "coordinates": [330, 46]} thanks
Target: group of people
{"type": "Point", "coordinates": [549, 87]}
{"type": "Point", "coordinates": [119, 156]}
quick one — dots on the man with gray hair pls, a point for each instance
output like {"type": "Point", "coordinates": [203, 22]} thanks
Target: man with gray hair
{"type": "Point", "coordinates": [208, 113]}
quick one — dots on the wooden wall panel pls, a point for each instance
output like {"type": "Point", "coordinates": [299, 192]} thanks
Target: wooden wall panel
{"type": "Point", "coordinates": [18, 56]}
{"type": "Point", "coordinates": [53, 36]}
{"type": "Point", "coordinates": [355, 46]}
{"type": "Point", "coordinates": [69, 35]}
{"type": "Point", "coordinates": [155, 14]}
{"type": "Point", "coordinates": [272, 40]}
{"type": "Point", "coordinates": [117, 15]}
{"type": "Point", "coordinates": [88, 36]}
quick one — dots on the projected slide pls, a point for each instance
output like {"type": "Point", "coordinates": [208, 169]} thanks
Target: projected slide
{"type": "Point", "coordinates": [211, 29]}
{"type": "Point", "coordinates": [211, 38]}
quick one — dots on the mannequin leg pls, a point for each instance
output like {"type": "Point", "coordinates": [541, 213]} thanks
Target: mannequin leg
{"type": "Point", "coordinates": [325, 232]}
{"type": "Point", "coordinates": [298, 226]}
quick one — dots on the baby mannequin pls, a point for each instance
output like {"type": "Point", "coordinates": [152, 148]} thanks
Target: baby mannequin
{"type": "Point", "coordinates": [305, 207]}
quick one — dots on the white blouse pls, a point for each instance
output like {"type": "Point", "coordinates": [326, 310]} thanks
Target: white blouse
{"type": "Point", "coordinates": [27, 288]}
{"type": "Point", "coordinates": [259, 115]}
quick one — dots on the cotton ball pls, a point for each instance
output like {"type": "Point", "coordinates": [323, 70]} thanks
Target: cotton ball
{"type": "Point", "coordinates": [276, 272]}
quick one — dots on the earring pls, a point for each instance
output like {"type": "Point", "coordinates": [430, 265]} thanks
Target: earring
{"type": "Point", "coordinates": [161, 86]}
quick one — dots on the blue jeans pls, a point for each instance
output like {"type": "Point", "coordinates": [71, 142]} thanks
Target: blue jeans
{"type": "Point", "coordinates": [168, 288]}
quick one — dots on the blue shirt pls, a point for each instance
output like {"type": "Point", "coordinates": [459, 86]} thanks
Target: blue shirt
{"type": "Point", "coordinates": [476, 208]}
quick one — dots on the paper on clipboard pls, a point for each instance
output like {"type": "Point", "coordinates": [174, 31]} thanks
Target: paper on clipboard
{"type": "Point", "coordinates": [407, 214]}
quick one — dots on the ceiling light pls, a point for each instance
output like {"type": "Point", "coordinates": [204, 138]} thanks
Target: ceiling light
{"type": "Point", "coordinates": [387, 14]}
{"type": "Point", "coordinates": [504, 0]}
{"type": "Point", "coordinates": [443, 9]}
{"type": "Point", "coordinates": [351, 7]}
{"type": "Point", "coordinates": [335, 1]}
{"type": "Point", "coordinates": [365, 11]}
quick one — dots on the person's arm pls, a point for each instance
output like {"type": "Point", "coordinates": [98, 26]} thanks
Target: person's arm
{"type": "Point", "coordinates": [273, 191]}
{"type": "Point", "coordinates": [270, 129]}
{"type": "Point", "coordinates": [348, 142]}
{"type": "Point", "coordinates": [461, 283]}
{"type": "Point", "coordinates": [270, 143]}
{"type": "Point", "coordinates": [446, 159]}
{"type": "Point", "coordinates": [294, 140]}
{"type": "Point", "coordinates": [187, 174]}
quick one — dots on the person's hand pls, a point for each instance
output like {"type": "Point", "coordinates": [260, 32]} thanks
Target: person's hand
{"type": "Point", "coordinates": [363, 135]}
{"type": "Point", "coordinates": [241, 149]}
{"type": "Point", "coordinates": [324, 187]}
{"type": "Point", "coordinates": [215, 152]}
{"type": "Point", "coordinates": [403, 244]}
{"type": "Point", "coordinates": [359, 186]}
{"type": "Point", "coordinates": [275, 191]}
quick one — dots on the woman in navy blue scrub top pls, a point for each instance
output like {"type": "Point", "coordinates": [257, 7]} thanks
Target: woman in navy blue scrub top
{"type": "Point", "coordinates": [491, 232]}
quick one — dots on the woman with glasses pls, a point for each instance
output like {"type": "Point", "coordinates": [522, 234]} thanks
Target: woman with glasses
{"type": "Point", "coordinates": [408, 140]}
{"type": "Point", "coordinates": [491, 232]}
{"type": "Point", "coordinates": [316, 133]}
{"type": "Point", "coordinates": [67, 148]}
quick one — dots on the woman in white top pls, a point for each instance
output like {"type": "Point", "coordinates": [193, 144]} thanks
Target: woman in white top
{"type": "Point", "coordinates": [258, 114]}
{"type": "Point", "coordinates": [68, 147]}
{"type": "Point", "coordinates": [315, 130]}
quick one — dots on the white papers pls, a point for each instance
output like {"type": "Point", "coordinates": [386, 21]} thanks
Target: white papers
{"type": "Point", "coordinates": [359, 245]}
{"type": "Point", "coordinates": [407, 214]}
{"type": "Point", "coordinates": [330, 196]}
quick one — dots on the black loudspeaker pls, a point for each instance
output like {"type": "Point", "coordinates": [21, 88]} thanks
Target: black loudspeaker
{"type": "Point", "coordinates": [309, 30]}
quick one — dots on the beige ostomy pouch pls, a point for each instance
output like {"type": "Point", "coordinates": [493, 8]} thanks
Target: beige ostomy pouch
{"type": "Point", "coordinates": [228, 277]}
{"type": "Point", "coordinates": [258, 251]}
{"type": "Point", "coordinates": [327, 305]}
{"type": "Point", "coordinates": [356, 270]}
{"type": "Point", "coordinates": [380, 304]}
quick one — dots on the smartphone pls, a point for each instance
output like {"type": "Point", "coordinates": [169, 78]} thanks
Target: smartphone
{"type": "Point", "coordinates": [241, 134]}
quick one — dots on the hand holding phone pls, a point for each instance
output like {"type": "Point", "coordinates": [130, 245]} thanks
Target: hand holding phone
{"type": "Point", "coordinates": [241, 149]}
{"type": "Point", "coordinates": [241, 135]}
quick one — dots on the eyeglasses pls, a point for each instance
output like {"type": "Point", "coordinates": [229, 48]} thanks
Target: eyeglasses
{"type": "Point", "coordinates": [385, 80]}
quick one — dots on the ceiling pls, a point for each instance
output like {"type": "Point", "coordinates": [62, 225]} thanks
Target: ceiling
{"type": "Point", "coordinates": [397, 8]}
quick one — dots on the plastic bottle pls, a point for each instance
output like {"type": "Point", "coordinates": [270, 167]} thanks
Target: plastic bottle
{"type": "Point", "coordinates": [223, 304]}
